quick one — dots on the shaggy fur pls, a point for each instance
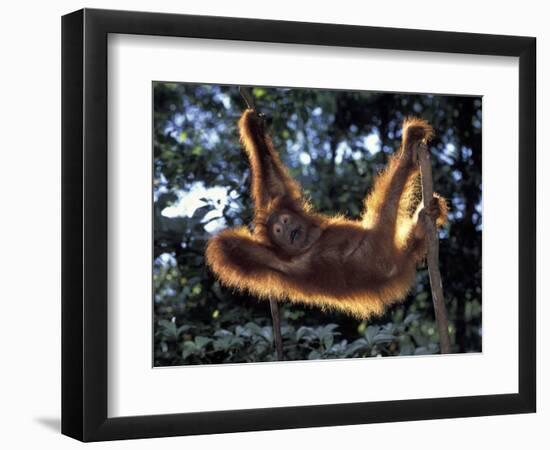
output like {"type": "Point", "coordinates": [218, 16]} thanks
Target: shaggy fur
{"type": "Point", "coordinates": [358, 267]}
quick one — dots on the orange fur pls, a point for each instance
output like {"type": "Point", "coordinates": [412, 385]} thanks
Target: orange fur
{"type": "Point", "coordinates": [358, 267]}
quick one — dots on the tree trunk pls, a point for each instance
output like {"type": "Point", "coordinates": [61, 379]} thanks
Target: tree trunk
{"type": "Point", "coordinates": [433, 253]}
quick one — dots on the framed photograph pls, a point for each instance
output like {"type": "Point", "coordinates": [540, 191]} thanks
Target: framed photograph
{"type": "Point", "coordinates": [273, 224]}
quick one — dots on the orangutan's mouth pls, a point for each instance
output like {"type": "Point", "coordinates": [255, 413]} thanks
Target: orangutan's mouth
{"type": "Point", "coordinates": [294, 234]}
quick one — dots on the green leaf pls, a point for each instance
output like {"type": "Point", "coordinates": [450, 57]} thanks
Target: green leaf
{"type": "Point", "coordinates": [421, 341]}
{"type": "Point", "coordinates": [370, 333]}
{"type": "Point", "coordinates": [201, 341]}
{"type": "Point", "coordinates": [383, 338]}
{"type": "Point", "coordinates": [328, 340]}
{"type": "Point", "coordinates": [258, 92]}
{"type": "Point", "coordinates": [253, 328]}
{"type": "Point", "coordinates": [169, 328]}
{"type": "Point", "coordinates": [411, 318]}
{"type": "Point", "coordinates": [189, 348]}
{"type": "Point", "coordinates": [267, 333]}
{"type": "Point", "coordinates": [302, 331]}
{"type": "Point", "coordinates": [314, 354]}
{"type": "Point", "coordinates": [406, 347]}
{"type": "Point", "coordinates": [223, 343]}
{"type": "Point", "coordinates": [241, 331]}
{"type": "Point", "coordinates": [222, 333]}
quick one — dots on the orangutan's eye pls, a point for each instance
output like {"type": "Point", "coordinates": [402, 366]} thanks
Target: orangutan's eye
{"type": "Point", "coordinates": [277, 230]}
{"type": "Point", "coordinates": [285, 219]}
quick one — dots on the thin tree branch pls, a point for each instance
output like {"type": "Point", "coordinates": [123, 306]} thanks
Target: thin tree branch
{"type": "Point", "coordinates": [247, 97]}
{"type": "Point", "coordinates": [275, 315]}
{"type": "Point", "coordinates": [277, 337]}
{"type": "Point", "coordinates": [433, 252]}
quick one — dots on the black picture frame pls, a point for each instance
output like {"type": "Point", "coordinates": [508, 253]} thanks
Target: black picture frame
{"type": "Point", "coordinates": [84, 224]}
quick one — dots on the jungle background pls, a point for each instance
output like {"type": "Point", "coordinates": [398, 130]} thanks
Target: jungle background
{"type": "Point", "coordinates": [333, 142]}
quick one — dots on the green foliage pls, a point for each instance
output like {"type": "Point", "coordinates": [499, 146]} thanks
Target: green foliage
{"type": "Point", "coordinates": [333, 142]}
{"type": "Point", "coordinates": [252, 342]}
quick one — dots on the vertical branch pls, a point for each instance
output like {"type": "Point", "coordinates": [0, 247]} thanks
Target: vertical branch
{"type": "Point", "coordinates": [247, 97]}
{"type": "Point", "coordinates": [277, 337]}
{"type": "Point", "coordinates": [433, 252]}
